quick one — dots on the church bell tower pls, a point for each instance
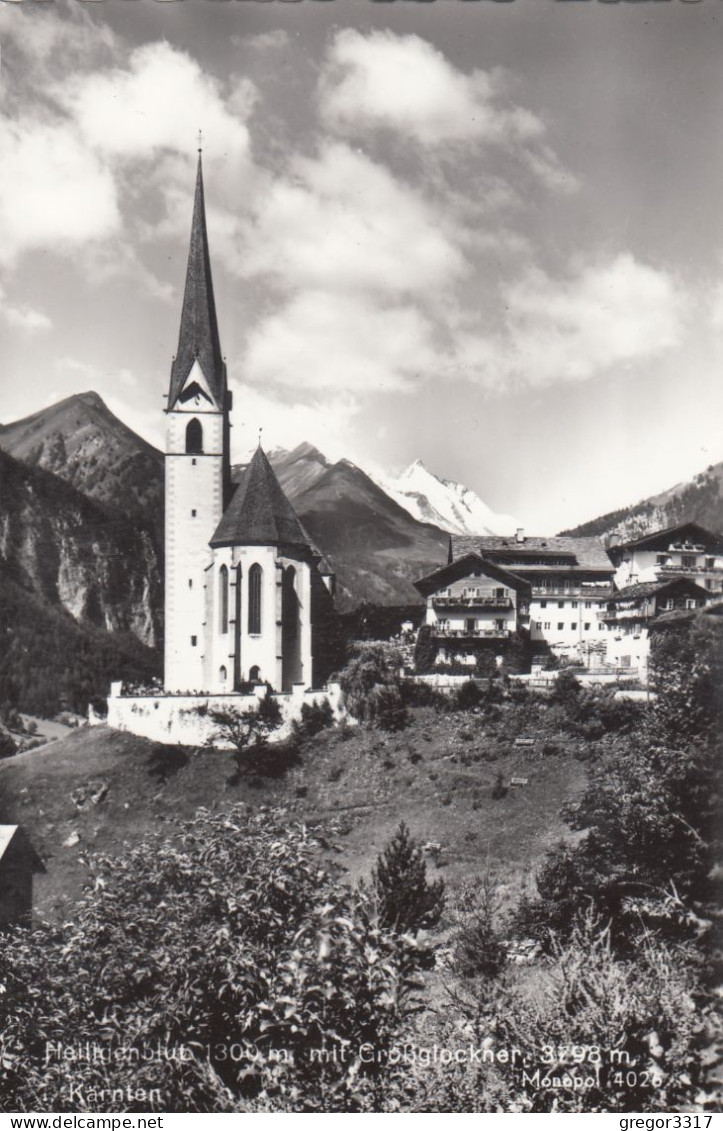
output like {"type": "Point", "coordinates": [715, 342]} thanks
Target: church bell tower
{"type": "Point", "coordinates": [197, 464]}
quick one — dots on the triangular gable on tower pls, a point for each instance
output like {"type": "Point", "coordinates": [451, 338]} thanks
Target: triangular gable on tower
{"type": "Point", "coordinates": [198, 339]}
{"type": "Point", "coordinates": [259, 514]}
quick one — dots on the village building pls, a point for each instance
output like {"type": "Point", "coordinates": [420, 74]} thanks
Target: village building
{"type": "Point", "coordinates": [473, 605]}
{"type": "Point", "coordinates": [570, 581]}
{"type": "Point", "coordinates": [19, 862]}
{"type": "Point", "coordinates": [687, 550]}
{"type": "Point", "coordinates": [632, 612]}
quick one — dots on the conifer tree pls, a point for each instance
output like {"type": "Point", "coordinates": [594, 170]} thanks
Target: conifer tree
{"type": "Point", "coordinates": [407, 901]}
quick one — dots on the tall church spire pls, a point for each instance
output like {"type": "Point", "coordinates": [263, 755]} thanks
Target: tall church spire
{"type": "Point", "coordinates": [198, 338]}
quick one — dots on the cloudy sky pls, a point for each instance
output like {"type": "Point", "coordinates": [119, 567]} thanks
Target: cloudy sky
{"type": "Point", "coordinates": [488, 235]}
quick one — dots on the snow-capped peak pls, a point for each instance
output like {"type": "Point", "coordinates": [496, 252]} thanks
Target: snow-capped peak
{"type": "Point", "coordinates": [447, 504]}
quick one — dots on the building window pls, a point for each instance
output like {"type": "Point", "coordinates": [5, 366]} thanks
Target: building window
{"type": "Point", "coordinates": [688, 561]}
{"type": "Point", "coordinates": [194, 641]}
{"type": "Point", "coordinates": [573, 626]}
{"type": "Point", "coordinates": [193, 513]}
{"type": "Point", "coordinates": [587, 626]}
{"type": "Point", "coordinates": [255, 600]}
{"type": "Point", "coordinates": [561, 604]}
{"type": "Point", "coordinates": [499, 592]}
{"type": "Point", "coordinates": [223, 598]}
{"type": "Point", "coordinates": [588, 604]}
{"type": "Point", "coordinates": [255, 674]}
{"type": "Point", "coordinates": [222, 673]}
{"type": "Point", "coordinates": [194, 436]}
{"type": "Point", "coordinates": [190, 583]}
{"type": "Point", "coordinates": [538, 624]}
{"type": "Point", "coordinates": [710, 563]}
{"type": "Point", "coordinates": [547, 624]}
{"type": "Point", "coordinates": [709, 583]}
{"type": "Point", "coordinates": [193, 462]}
{"type": "Point", "coordinates": [543, 604]}
{"type": "Point", "coordinates": [560, 626]}
{"type": "Point", "coordinates": [662, 559]}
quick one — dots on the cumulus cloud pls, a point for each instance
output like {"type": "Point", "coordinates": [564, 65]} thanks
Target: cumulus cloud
{"type": "Point", "coordinates": [22, 317]}
{"type": "Point", "coordinates": [603, 316]}
{"type": "Point", "coordinates": [320, 340]}
{"type": "Point", "coordinates": [55, 193]}
{"type": "Point", "coordinates": [345, 221]}
{"type": "Point", "coordinates": [404, 83]}
{"type": "Point", "coordinates": [327, 422]}
{"type": "Point", "coordinates": [157, 101]}
{"type": "Point", "coordinates": [79, 163]}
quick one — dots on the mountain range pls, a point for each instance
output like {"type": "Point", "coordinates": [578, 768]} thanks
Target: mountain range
{"type": "Point", "coordinates": [81, 518]}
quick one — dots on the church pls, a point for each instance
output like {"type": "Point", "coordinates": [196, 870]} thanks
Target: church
{"type": "Point", "coordinates": [245, 587]}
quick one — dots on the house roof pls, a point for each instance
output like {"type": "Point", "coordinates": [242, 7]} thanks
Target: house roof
{"type": "Point", "coordinates": [198, 337]}
{"type": "Point", "coordinates": [643, 589]}
{"type": "Point", "coordinates": [463, 567]}
{"type": "Point", "coordinates": [661, 539]}
{"type": "Point", "coordinates": [580, 553]}
{"type": "Point", "coordinates": [259, 513]}
{"type": "Point", "coordinates": [14, 833]}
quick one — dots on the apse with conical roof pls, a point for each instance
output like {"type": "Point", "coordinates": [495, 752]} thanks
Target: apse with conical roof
{"type": "Point", "coordinates": [259, 513]}
{"type": "Point", "coordinates": [198, 339]}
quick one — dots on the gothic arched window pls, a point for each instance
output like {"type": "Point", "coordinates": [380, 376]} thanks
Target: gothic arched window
{"type": "Point", "coordinates": [255, 600]}
{"type": "Point", "coordinates": [194, 436]}
{"type": "Point", "coordinates": [223, 598]}
{"type": "Point", "coordinates": [222, 673]}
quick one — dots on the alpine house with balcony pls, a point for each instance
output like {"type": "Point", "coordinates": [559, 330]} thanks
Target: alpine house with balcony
{"type": "Point", "coordinates": [570, 579]}
{"type": "Point", "coordinates": [632, 611]}
{"type": "Point", "coordinates": [473, 605]}
{"type": "Point", "coordinates": [688, 550]}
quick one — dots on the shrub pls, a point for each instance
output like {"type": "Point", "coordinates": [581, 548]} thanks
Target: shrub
{"type": "Point", "coordinates": [499, 789]}
{"type": "Point", "coordinates": [407, 901]}
{"type": "Point", "coordinates": [468, 696]}
{"type": "Point", "coordinates": [425, 650]}
{"type": "Point", "coordinates": [231, 936]}
{"type": "Point", "coordinates": [585, 997]}
{"type": "Point", "coordinates": [315, 717]}
{"type": "Point", "coordinates": [247, 732]}
{"type": "Point", "coordinates": [478, 950]}
{"type": "Point", "coordinates": [566, 689]}
{"type": "Point", "coordinates": [371, 686]}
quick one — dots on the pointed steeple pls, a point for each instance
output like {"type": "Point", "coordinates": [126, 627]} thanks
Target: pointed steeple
{"type": "Point", "coordinates": [259, 513]}
{"type": "Point", "coordinates": [198, 338]}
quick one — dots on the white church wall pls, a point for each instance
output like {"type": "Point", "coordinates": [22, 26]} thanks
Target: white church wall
{"type": "Point", "coordinates": [194, 504]}
{"type": "Point", "coordinates": [185, 719]}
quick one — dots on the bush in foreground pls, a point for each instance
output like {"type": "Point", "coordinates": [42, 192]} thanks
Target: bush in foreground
{"type": "Point", "coordinates": [231, 947]}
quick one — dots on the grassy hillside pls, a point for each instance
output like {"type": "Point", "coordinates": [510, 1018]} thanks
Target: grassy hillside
{"type": "Point", "coordinates": [98, 788]}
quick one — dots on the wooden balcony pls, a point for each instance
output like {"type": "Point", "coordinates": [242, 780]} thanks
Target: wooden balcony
{"type": "Point", "coordinates": [472, 602]}
{"type": "Point", "coordinates": [471, 634]}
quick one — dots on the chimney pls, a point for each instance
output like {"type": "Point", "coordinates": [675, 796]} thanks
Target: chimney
{"type": "Point", "coordinates": [520, 534]}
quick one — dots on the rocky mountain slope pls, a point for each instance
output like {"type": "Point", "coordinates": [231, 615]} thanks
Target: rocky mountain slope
{"type": "Point", "coordinates": [83, 442]}
{"type": "Point", "coordinates": [70, 551]}
{"type": "Point", "coordinates": [376, 547]}
{"type": "Point", "coordinates": [699, 500]}
{"type": "Point", "coordinates": [80, 593]}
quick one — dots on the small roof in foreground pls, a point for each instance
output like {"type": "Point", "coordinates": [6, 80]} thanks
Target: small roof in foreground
{"type": "Point", "coordinates": [10, 833]}
{"type": "Point", "coordinates": [259, 513]}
